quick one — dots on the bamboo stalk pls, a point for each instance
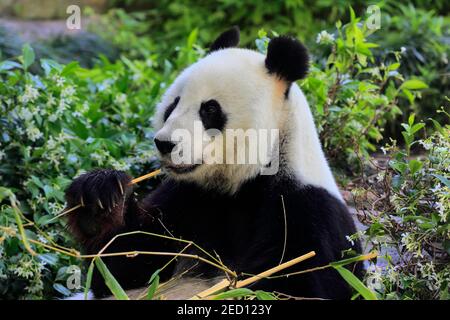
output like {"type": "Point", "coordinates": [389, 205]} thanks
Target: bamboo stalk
{"type": "Point", "coordinates": [145, 176]}
{"type": "Point", "coordinates": [222, 285]}
{"type": "Point", "coordinates": [65, 212]}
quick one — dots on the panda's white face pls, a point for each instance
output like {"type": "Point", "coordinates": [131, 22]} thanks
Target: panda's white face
{"type": "Point", "coordinates": [228, 89]}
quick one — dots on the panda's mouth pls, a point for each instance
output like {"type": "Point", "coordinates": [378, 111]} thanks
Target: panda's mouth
{"type": "Point", "coordinates": [181, 168]}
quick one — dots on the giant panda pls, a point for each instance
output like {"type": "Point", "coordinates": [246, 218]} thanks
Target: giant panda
{"type": "Point", "coordinates": [250, 219]}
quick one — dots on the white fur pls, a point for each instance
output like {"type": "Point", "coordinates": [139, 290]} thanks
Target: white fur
{"type": "Point", "coordinates": [250, 96]}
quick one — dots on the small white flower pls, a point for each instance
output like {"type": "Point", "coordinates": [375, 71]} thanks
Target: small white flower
{"type": "Point", "coordinates": [29, 95]}
{"type": "Point", "coordinates": [85, 107]}
{"type": "Point", "coordinates": [51, 143]}
{"type": "Point", "coordinates": [350, 101]}
{"type": "Point", "coordinates": [68, 91]}
{"type": "Point", "coordinates": [436, 188]}
{"type": "Point", "coordinates": [42, 239]}
{"type": "Point", "coordinates": [62, 106]}
{"type": "Point", "coordinates": [402, 49]}
{"type": "Point", "coordinates": [442, 214]}
{"type": "Point", "coordinates": [427, 145]}
{"type": "Point", "coordinates": [25, 114]}
{"type": "Point", "coordinates": [51, 100]}
{"type": "Point", "coordinates": [136, 77]}
{"type": "Point", "coordinates": [34, 133]}
{"type": "Point", "coordinates": [121, 98]}
{"type": "Point", "coordinates": [59, 81]}
{"type": "Point", "coordinates": [53, 117]}
{"type": "Point", "coordinates": [350, 240]}
{"type": "Point", "coordinates": [325, 38]}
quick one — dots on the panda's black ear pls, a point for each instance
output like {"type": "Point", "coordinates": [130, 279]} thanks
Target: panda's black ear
{"type": "Point", "coordinates": [228, 39]}
{"type": "Point", "coordinates": [287, 58]}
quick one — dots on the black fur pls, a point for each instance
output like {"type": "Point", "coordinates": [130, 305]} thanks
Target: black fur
{"type": "Point", "coordinates": [212, 115]}
{"type": "Point", "coordinates": [228, 39]}
{"type": "Point", "coordinates": [170, 108]}
{"type": "Point", "coordinates": [246, 230]}
{"type": "Point", "coordinates": [287, 58]}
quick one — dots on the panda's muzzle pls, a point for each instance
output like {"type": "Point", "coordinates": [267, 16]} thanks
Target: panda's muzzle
{"type": "Point", "coordinates": [165, 148]}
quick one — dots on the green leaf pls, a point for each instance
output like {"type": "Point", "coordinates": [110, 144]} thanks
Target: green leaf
{"type": "Point", "coordinates": [345, 262]}
{"type": "Point", "coordinates": [417, 127]}
{"type": "Point", "coordinates": [414, 166]}
{"type": "Point", "coordinates": [70, 68]}
{"type": "Point", "coordinates": [110, 281]}
{"type": "Point", "coordinates": [393, 66]}
{"type": "Point", "coordinates": [8, 65]}
{"type": "Point", "coordinates": [413, 85]}
{"type": "Point", "coordinates": [234, 293]}
{"type": "Point", "coordinates": [356, 283]}
{"type": "Point", "coordinates": [48, 258]}
{"type": "Point", "coordinates": [28, 56]}
{"type": "Point", "coordinates": [88, 279]}
{"type": "Point", "coordinates": [61, 289]}
{"type": "Point", "coordinates": [411, 119]}
{"type": "Point", "coordinates": [437, 125]}
{"type": "Point", "coordinates": [48, 65]}
{"type": "Point", "coordinates": [443, 179]}
{"type": "Point", "coordinates": [154, 283]}
{"type": "Point", "coordinates": [263, 295]}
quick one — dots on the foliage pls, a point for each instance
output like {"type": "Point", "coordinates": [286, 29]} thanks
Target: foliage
{"type": "Point", "coordinates": [353, 94]}
{"type": "Point", "coordinates": [423, 38]}
{"type": "Point", "coordinates": [83, 47]}
{"type": "Point", "coordinates": [406, 206]}
{"type": "Point", "coordinates": [168, 21]}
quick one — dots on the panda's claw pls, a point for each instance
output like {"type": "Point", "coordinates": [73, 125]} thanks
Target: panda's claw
{"type": "Point", "coordinates": [120, 186]}
{"type": "Point", "coordinates": [100, 204]}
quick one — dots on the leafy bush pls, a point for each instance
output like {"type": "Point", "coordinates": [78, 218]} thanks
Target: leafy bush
{"type": "Point", "coordinates": [352, 94]}
{"type": "Point", "coordinates": [423, 38]}
{"type": "Point", "coordinates": [406, 206]}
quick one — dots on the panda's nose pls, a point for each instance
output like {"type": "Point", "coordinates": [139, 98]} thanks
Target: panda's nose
{"type": "Point", "coordinates": [164, 147]}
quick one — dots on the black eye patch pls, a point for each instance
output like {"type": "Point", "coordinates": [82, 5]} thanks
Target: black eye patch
{"type": "Point", "coordinates": [212, 116]}
{"type": "Point", "coordinates": [170, 108]}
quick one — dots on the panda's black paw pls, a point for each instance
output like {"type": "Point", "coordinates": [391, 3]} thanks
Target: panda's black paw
{"type": "Point", "coordinates": [100, 197]}
{"type": "Point", "coordinates": [101, 190]}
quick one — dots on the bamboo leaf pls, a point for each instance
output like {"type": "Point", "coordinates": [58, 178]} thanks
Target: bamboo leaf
{"type": "Point", "coordinates": [154, 283]}
{"type": "Point", "coordinates": [235, 293]}
{"type": "Point", "coordinates": [110, 281]}
{"type": "Point", "coordinates": [356, 283]}
{"type": "Point", "coordinates": [88, 279]}
{"type": "Point", "coordinates": [263, 295]}
{"type": "Point", "coordinates": [345, 262]}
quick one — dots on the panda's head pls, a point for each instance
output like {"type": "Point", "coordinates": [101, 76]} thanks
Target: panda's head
{"type": "Point", "coordinates": [228, 92]}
